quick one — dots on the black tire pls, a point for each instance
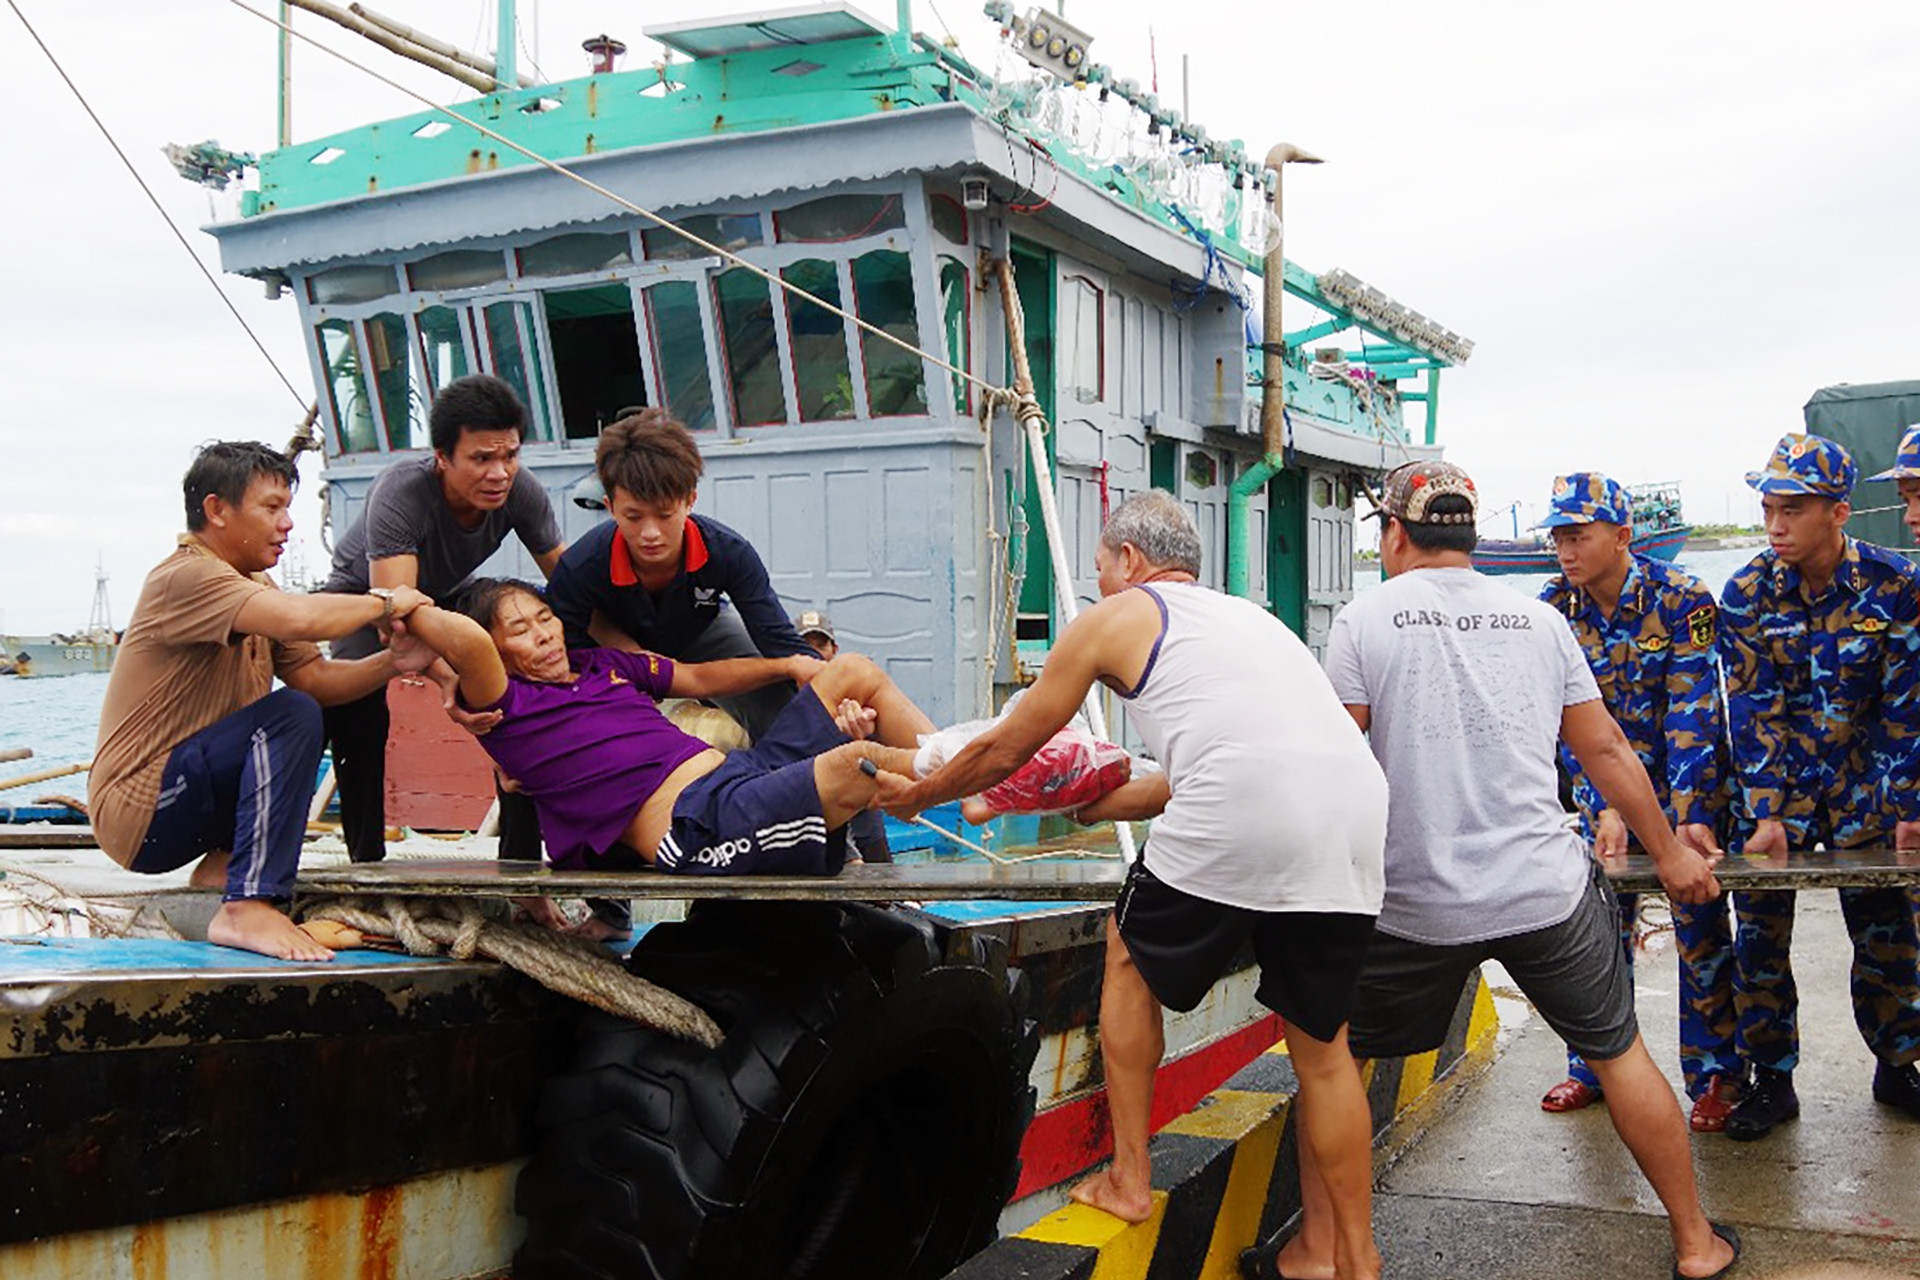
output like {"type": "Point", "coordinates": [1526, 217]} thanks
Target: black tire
{"type": "Point", "coordinates": [863, 1117]}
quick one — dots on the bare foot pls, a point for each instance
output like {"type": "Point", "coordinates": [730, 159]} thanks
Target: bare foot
{"type": "Point", "coordinates": [1717, 1258]}
{"type": "Point", "coordinates": [1100, 1192]}
{"type": "Point", "coordinates": [1294, 1263]}
{"type": "Point", "coordinates": [975, 810]}
{"type": "Point", "coordinates": [594, 929]}
{"type": "Point", "coordinates": [252, 924]}
{"type": "Point", "coordinates": [211, 871]}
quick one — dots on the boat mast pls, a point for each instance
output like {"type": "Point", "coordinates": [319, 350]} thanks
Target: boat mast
{"type": "Point", "coordinates": [286, 73]}
{"type": "Point", "coordinates": [506, 45]}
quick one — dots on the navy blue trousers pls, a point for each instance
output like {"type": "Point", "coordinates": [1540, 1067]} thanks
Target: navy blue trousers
{"type": "Point", "coordinates": [242, 784]}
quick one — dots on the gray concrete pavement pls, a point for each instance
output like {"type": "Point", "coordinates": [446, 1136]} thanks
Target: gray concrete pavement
{"type": "Point", "coordinates": [1498, 1188]}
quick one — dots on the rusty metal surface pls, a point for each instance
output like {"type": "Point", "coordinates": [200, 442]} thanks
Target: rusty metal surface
{"type": "Point", "coordinates": [153, 1093]}
{"type": "Point", "coordinates": [458, 1224]}
{"type": "Point", "coordinates": [1064, 881]}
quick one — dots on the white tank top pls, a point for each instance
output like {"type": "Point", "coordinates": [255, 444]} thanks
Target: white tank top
{"type": "Point", "coordinates": [1277, 803]}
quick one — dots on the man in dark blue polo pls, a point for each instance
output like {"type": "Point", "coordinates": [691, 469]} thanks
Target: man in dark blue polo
{"type": "Point", "coordinates": [659, 578]}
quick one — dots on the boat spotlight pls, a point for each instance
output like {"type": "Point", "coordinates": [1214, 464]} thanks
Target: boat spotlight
{"type": "Point", "coordinates": [1051, 43]}
{"type": "Point", "coordinates": [974, 191]}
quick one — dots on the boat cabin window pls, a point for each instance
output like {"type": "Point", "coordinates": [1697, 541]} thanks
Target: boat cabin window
{"type": "Point", "coordinates": [403, 409]}
{"type": "Point", "coordinates": [731, 231]}
{"type": "Point", "coordinates": [584, 323]}
{"type": "Point", "coordinates": [949, 219]}
{"type": "Point", "coordinates": [956, 316]}
{"type": "Point", "coordinates": [680, 352]}
{"type": "Point", "coordinates": [513, 354]}
{"type": "Point", "coordinates": [596, 355]}
{"type": "Point", "coordinates": [883, 297]}
{"type": "Point", "coordinates": [344, 285]}
{"type": "Point", "coordinates": [818, 339]}
{"type": "Point", "coordinates": [1083, 310]}
{"type": "Point", "coordinates": [443, 347]}
{"type": "Point", "coordinates": [834, 219]}
{"type": "Point", "coordinates": [745, 303]}
{"type": "Point", "coordinates": [574, 255]}
{"type": "Point", "coordinates": [459, 269]}
{"type": "Point", "coordinates": [345, 387]}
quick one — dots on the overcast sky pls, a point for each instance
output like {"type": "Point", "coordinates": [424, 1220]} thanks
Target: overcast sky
{"type": "Point", "coordinates": [1664, 225]}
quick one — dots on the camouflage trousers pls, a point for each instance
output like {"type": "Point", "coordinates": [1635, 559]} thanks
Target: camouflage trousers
{"type": "Point", "coordinates": [1886, 996]}
{"type": "Point", "coordinates": [1705, 943]}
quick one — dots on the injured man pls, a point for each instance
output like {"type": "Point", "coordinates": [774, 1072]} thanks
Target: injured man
{"type": "Point", "coordinates": [617, 786]}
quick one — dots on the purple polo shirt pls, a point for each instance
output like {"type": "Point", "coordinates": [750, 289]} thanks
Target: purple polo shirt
{"type": "Point", "coordinates": [591, 752]}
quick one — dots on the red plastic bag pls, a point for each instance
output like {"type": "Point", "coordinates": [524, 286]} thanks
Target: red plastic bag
{"type": "Point", "coordinates": [1072, 769]}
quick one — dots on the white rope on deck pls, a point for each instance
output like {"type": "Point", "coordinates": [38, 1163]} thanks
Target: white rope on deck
{"type": "Point", "coordinates": [571, 966]}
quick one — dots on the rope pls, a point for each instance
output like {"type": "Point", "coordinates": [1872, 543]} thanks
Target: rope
{"type": "Point", "coordinates": [53, 901]}
{"type": "Point", "coordinates": [158, 207]}
{"type": "Point", "coordinates": [571, 966]}
{"type": "Point", "coordinates": [555, 166]}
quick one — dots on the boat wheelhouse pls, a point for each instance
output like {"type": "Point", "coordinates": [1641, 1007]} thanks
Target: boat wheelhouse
{"type": "Point", "coordinates": [886, 175]}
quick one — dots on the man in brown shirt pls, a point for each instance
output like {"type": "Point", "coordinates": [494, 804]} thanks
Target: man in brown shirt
{"type": "Point", "coordinates": [196, 755]}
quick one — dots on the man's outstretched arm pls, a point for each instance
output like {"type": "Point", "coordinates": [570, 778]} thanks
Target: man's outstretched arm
{"type": "Point", "coordinates": [1603, 751]}
{"type": "Point", "coordinates": [1072, 666]}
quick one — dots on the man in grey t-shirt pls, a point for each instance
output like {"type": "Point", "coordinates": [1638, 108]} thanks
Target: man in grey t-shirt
{"type": "Point", "coordinates": [1465, 689]}
{"type": "Point", "coordinates": [428, 523]}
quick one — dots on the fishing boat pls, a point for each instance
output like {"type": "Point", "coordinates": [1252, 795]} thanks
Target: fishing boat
{"type": "Point", "coordinates": [91, 650]}
{"type": "Point", "coordinates": [1044, 224]}
{"type": "Point", "coordinates": [1660, 530]}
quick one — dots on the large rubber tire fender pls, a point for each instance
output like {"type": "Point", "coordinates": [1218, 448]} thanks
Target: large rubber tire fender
{"type": "Point", "coordinates": [863, 1117]}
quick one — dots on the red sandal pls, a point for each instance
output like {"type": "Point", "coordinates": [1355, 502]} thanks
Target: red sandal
{"type": "Point", "coordinates": [1570, 1095]}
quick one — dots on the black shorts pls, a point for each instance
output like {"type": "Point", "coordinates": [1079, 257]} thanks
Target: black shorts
{"type": "Point", "coordinates": [759, 812]}
{"type": "Point", "coordinates": [1309, 960]}
{"type": "Point", "coordinates": [1574, 973]}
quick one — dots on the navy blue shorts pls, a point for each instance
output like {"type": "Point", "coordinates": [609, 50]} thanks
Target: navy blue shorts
{"type": "Point", "coordinates": [759, 812]}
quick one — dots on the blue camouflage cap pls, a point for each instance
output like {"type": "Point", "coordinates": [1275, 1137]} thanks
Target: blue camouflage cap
{"type": "Point", "coordinates": [1803, 463]}
{"type": "Point", "coordinates": [1906, 461]}
{"type": "Point", "coordinates": [1587, 496]}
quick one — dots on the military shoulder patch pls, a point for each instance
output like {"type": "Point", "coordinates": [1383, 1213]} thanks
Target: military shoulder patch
{"type": "Point", "coordinates": [1655, 644]}
{"type": "Point", "coordinates": [1870, 626]}
{"type": "Point", "coordinates": [1700, 626]}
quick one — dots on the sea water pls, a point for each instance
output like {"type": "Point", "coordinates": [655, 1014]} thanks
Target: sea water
{"type": "Point", "coordinates": [59, 716]}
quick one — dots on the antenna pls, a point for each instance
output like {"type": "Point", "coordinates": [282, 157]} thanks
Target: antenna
{"type": "Point", "coordinates": [100, 621]}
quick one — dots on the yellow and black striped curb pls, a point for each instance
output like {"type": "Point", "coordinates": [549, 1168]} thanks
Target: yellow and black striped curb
{"type": "Point", "coordinates": [1225, 1174]}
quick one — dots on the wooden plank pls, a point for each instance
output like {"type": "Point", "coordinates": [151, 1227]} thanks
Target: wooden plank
{"type": "Point", "coordinates": [38, 837]}
{"type": "Point", "coordinates": [1858, 868]}
{"type": "Point", "coordinates": [1051, 881]}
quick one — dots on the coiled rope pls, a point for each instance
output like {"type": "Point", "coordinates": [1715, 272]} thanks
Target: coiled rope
{"type": "Point", "coordinates": [570, 966]}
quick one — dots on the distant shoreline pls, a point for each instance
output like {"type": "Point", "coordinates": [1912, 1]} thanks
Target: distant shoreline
{"type": "Point", "coordinates": [1731, 542]}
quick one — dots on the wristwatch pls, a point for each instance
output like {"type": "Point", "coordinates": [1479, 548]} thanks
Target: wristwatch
{"type": "Point", "coordinates": [386, 601]}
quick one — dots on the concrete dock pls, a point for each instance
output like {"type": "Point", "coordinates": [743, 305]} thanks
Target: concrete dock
{"type": "Point", "coordinates": [1498, 1189]}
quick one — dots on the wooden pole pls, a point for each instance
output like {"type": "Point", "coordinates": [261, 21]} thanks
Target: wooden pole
{"type": "Point", "coordinates": [15, 753]}
{"type": "Point", "coordinates": [1033, 422]}
{"type": "Point", "coordinates": [44, 775]}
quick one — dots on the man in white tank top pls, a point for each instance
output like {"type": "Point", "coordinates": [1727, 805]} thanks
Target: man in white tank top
{"type": "Point", "coordinates": [1270, 825]}
{"type": "Point", "coordinates": [1466, 689]}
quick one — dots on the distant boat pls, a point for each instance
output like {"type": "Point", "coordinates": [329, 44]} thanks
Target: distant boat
{"type": "Point", "coordinates": [92, 650]}
{"type": "Point", "coordinates": [1659, 530]}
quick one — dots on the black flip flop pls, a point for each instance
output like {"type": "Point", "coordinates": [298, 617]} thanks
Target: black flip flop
{"type": "Point", "coordinates": [1262, 1261]}
{"type": "Point", "coordinates": [1725, 1232]}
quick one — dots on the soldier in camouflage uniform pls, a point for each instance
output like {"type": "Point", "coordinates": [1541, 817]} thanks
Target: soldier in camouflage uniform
{"type": "Point", "coordinates": [1822, 659]}
{"type": "Point", "coordinates": [1647, 630]}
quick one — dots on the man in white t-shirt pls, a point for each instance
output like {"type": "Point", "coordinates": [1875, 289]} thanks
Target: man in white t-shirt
{"type": "Point", "coordinates": [1464, 688]}
{"type": "Point", "coordinates": [1270, 821]}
